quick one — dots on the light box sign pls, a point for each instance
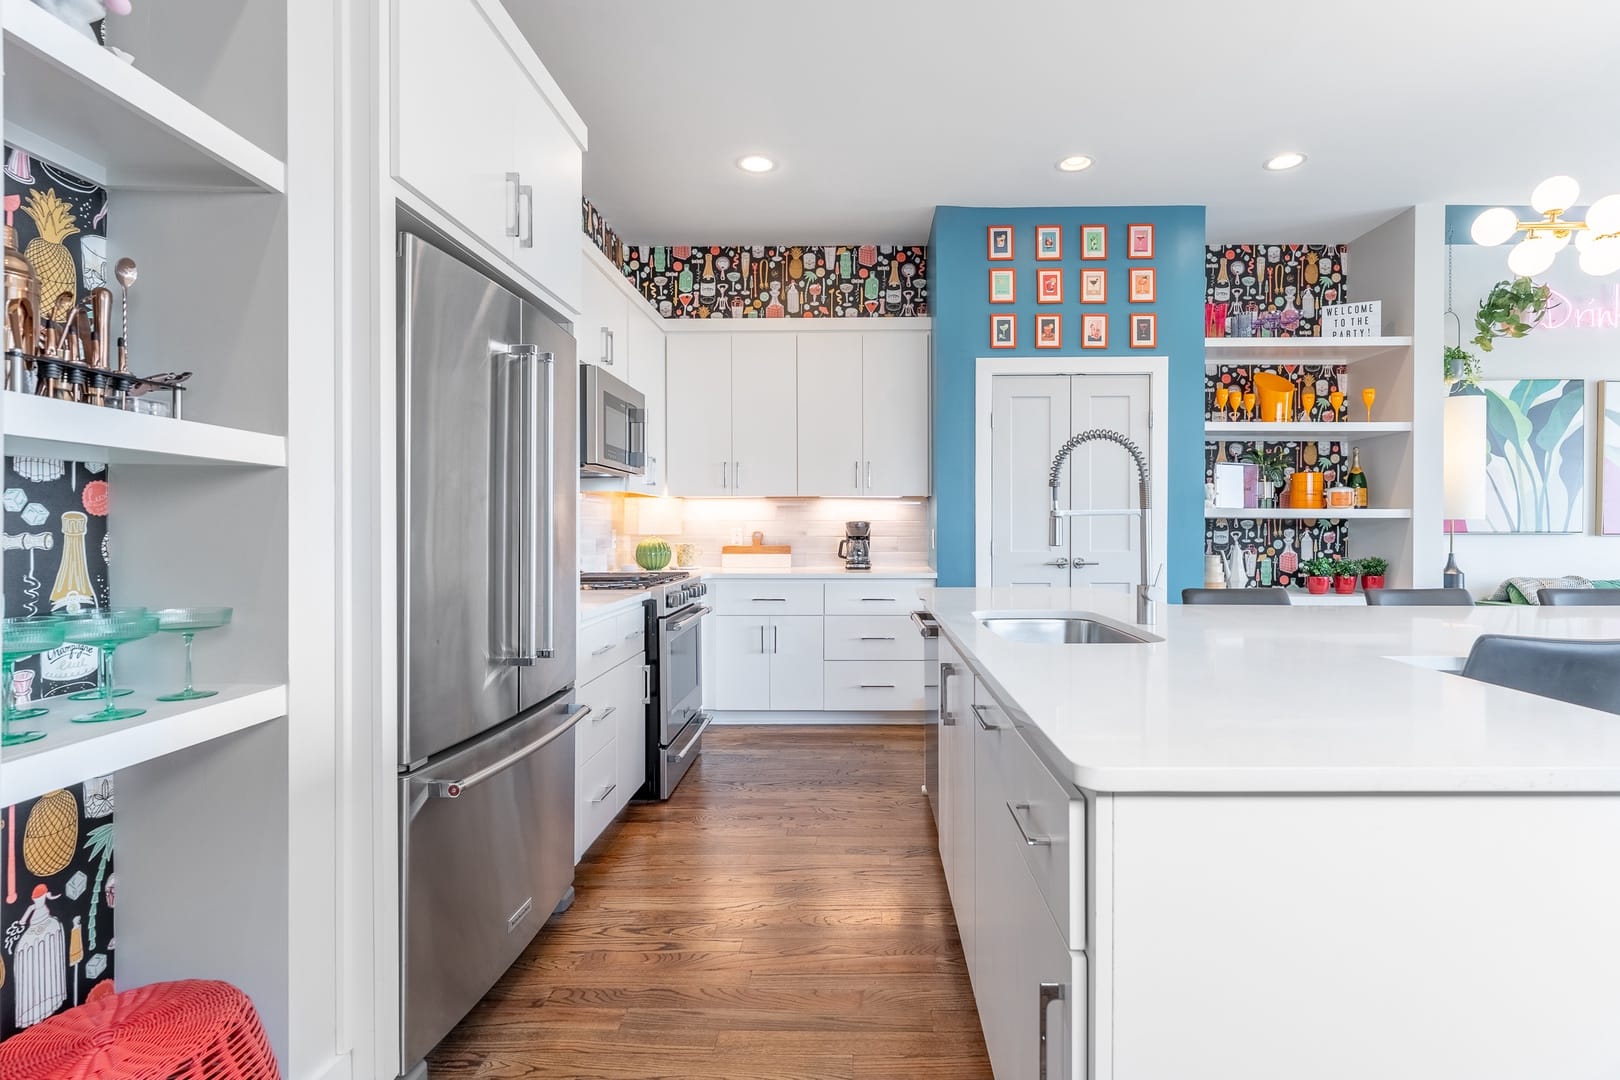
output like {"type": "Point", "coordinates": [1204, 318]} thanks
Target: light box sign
{"type": "Point", "coordinates": [1359, 320]}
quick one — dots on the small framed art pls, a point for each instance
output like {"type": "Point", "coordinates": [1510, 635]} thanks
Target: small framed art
{"type": "Point", "coordinates": [1144, 285]}
{"type": "Point", "coordinates": [1003, 286]}
{"type": "Point", "coordinates": [1144, 331]}
{"type": "Point", "coordinates": [1048, 242]}
{"type": "Point", "coordinates": [1003, 331]}
{"type": "Point", "coordinates": [1048, 331]}
{"type": "Point", "coordinates": [1048, 286]}
{"type": "Point", "coordinates": [1139, 241]}
{"type": "Point", "coordinates": [1094, 286]}
{"type": "Point", "coordinates": [1094, 241]}
{"type": "Point", "coordinates": [1094, 331]}
{"type": "Point", "coordinates": [999, 242]}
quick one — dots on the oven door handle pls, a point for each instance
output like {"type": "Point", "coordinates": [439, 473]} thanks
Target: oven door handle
{"type": "Point", "coordinates": [706, 720]}
{"type": "Point", "coordinates": [452, 789]}
{"type": "Point", "coordinates": [684, 621]}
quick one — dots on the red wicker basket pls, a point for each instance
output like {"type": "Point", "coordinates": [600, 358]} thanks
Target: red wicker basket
{"type": "Point", "coordinates": [192, 1030]}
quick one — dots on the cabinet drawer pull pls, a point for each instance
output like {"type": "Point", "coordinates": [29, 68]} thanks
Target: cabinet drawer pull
{"type": "Point", "coordinates": [877, 600]}
{"type": "Point", "coordinates": [605, 793]}
{"type": "Point", "coordinates": [946, 670]}
{"type": "Point", "coordinates": [769, 599]}
{"type": "Point", "coordinates": [1050, 992]}
{"type": "Point", "coordinates": [877, 686]}
{"type": "Point", "coordinates": [609, 647]}
{"type": "Point", "coordinates": [978, 714]}
{"type": "Point", "coordinates": [1032, 841]}
{"type": "Point", "coordinates": [604, 714]}
{"type": "Point", "coordinates": [866, 637]}
{"type": "Point", "coordinates": [632, 635]}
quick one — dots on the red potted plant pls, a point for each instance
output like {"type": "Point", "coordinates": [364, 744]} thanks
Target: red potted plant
{"type": "Point", "coordinates": [1344, 576]}
{"type": "Point", "coordinates": [1372, 572]}
{"type": "Point", "coordinates": [1318, 575]}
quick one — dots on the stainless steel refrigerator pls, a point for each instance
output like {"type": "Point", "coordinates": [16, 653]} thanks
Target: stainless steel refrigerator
{"type": "Point", "coordinates": [488, 444]}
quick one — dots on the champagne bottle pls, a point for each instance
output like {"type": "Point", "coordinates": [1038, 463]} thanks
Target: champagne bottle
{"type": "Point", "coordinates": [891, 298]}
{"type": "Point", "coordinates": [707, 285]}
{"type": "Point", "coordinates": [1357, 479]}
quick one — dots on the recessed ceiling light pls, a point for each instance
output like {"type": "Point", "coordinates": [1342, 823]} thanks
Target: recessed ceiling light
{"type": "Point", "coordinates": [1075, 163]}
{"type": "Point", "coordinates": [1291, 159]}
{"type": "Point", "coordinates": [755, 163]}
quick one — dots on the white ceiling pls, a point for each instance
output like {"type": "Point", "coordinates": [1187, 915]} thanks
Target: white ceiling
{"type": "Point", "coordinates": [877, 110]}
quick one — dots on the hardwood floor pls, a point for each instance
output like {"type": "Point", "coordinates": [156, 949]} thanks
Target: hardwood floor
{"type": "Point", "coordinates": [783, 917]}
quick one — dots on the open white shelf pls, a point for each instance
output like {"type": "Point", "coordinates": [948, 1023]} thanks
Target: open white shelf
{"type": "Point", "coordinates": [43, 427]}
{"type": "Point", "coordinates": [71, 753]}
{"type": "Point", "coordinates": [1289, 513]}
{"type": "Point", "coordinates": [1307, 350]}
{"type": "Point", "coordinates": [74, 102]}
{"type": "Point", "coordinates": [1314, 430]}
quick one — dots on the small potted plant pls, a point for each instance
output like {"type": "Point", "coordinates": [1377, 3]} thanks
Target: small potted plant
{"type": "Point", "coordinates": [1344, 576]}
{"type": "Point", "coordinates": [1372, 572]}
{"type": "Point", "coordinates": [1510, 310]}
{"type": "Point", "coordinates": [1318, 575]}
{"type": "Point", "coordinates": [1273, 470]}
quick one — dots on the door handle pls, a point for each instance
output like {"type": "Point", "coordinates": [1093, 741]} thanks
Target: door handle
{"type": "Point", "coordinates": [452, 789]}
{"type": "Point", "coordinates": [736, 476]}
{"type": "Point", "coordinates": [978, 714]}
{"type": "Point", "coordinates": [605, 793]}
{"type": "Point", "coordinates": [874, 638]}
{"type": "Point", "coordinates": [857, 476]}
{"type": "Point", "coordinates": [775, 639]}
{"type": "Point", "coordinates": [513, 182]}
{"type": "Point", "coordinates": [526, 214]}
{"type": "Point", "coordinates": [1031, 841]}
{"type": "Point", "coordinates": [762, 639]}
{"type": "Point", "coordinates": [607, 346]}
{"type": "Point", "coordinates": [724, 465]}
{"type": "Point", "coordinates": [927, 625]}
{"type": "Point", "coordinates": [877, 686]}
{"type": "Point", "coordinates": [1059, 563]}
{"type": "Point", "coordinates": [530, 523]}
{"type": "Point", "coordinates": [540, 487]}
{"type": "Point", "coordinates": [946, 670]}
{"type": "Point", "coordinates": [1050, 992]}
{"type": "Point", "coordinates": [877, 600]}
{"type": "Point", "coordinates": [1078, 563]}
{"type": "Point", "coordinates": [604, 649]}
{"type": "Point", "coordinates": [769, 599]}
{"type": "Point", "coordinates": [868, 476]}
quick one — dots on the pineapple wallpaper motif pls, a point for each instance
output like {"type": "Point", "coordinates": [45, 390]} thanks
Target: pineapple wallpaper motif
{"type": "Point", "coordinates": [61, 223]}
{"type": "Point", "coordinates": [769, 281]}
{"type": "Point", "coordinates": [57, 892]}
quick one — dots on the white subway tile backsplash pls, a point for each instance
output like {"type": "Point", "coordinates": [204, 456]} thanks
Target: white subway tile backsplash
{"type": "Point", "coordinates": [813, 527]}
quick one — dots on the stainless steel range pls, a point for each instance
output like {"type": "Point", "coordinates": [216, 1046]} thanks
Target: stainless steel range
{"type": "Point", "coordinates": [675, 718]}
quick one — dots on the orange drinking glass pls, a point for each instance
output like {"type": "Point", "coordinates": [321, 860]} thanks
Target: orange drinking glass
{"type": "Point", "coordinates": [1306, 400]}
{"type": "Point", "coordinates": [1368, 396]}
{"type": "Point", "coordinates": [1250, 400]}
{"type": "Point", "coordinates": [1336, 399]}
{"type": "Point", "coordinates": [1221, 394]}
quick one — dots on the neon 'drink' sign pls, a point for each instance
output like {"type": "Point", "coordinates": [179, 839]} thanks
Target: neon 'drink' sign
{"type": "Point", "coordinates": [1600, 312]}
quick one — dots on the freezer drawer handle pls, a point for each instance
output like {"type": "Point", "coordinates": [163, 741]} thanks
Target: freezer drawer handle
{"type": "Point", "coordinates": [978, 714]}
{"type": "Point", "coordinates": [605, 793]}
{"type": "Point", "coordinates": [452, 789]}
{"type": "Point", "coordinates": [1030, 841]}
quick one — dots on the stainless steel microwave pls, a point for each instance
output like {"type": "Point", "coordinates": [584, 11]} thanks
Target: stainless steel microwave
{"type": "Point", "coordinates": [612, 425]}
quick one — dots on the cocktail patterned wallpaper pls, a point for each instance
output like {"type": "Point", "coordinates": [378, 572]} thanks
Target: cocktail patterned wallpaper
{"type": "Point", "coordinates": [57, 891]}
{"type": "Point", "coordinates": [1280, 288]}
{"type": "Point", "coordinates": [61, 223]}
{"type": "Point", "coordinates": [718, 281]}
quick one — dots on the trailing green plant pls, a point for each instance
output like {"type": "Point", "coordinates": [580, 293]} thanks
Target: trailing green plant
{"type": "Point", "coordinates": [1273, 463]}
{"type": "Point", "coordinates": [1511, 309]}
{"type": "Point", "coordinates": [1462, 366]}
{"type": "Point", "coordinates": [1373, 566]}
{"type": "Point", "coordinates": [1321, 566]}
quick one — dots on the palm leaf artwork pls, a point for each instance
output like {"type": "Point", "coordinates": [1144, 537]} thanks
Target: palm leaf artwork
{"type": "Point", "coordinates": [1536, 469]}
{"type": "Point", "coordinates": [98, 845]}
{"type": "Point", "coordinates": [1609, 465]}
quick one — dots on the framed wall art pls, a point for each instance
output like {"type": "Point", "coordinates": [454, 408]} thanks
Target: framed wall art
{"type": "Point", "coordinates": [1003, 286]}
{"type": "Point", "coordinates": [1139, 241]}
{"type": "Point", "coordinates": [1094, 286]}
{"type": "Point", "coordinates": [1048, 331]}
{"type": "Point", "coordinates": [1144, 331]}
{"type": "Point", "coordinates": [1609, 462]}
{"type": "Point", "coordinates": [1049, 286]}
{"type": "Point", "coordinates": [1004, 331]}
{"type": "Point", "coordinates": [1094, 241]}
{"type": "Point", "coordinates": [999, 242]}
{"type": "Point", "coordinates": [1094, 331]}
{"type": "Point", "coordinates": [1144, 285]}
{"type": "Point", "coordinates": [1535, 464]}
{"type": "Point", "coordinates": [1048, 242]}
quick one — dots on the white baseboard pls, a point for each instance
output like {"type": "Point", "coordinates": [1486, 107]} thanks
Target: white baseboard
{"type": "Point", "coordinates": [819, 719]}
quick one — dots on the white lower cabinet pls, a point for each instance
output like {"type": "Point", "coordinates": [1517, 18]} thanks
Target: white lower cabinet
{"type": "Point", "coordinates": [610, 744]}
{"type": "Point", "coordinates": [767, 663]}
{"type": "Point", "coordinates": [1030, 986]}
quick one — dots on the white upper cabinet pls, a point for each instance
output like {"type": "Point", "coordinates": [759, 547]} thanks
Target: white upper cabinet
{"type": "Point", "coordinates": [698, 409]}
{"type": "Point", "coordinates": [896, 414]}
{"type": "Point", "coordinates": [764, 386]}
{"type": "Point", "coordinates": [602, 331]}
{"type": "Point", "coordinates": [831, 461]}
{"type": "Point", "coordinates": [485, 138]}
{"type": "Point", "coordinates": [647, 374]}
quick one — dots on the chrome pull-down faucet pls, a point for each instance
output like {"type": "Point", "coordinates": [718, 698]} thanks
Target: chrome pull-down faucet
{"type": "Point", "coordinates": [1144, 595]}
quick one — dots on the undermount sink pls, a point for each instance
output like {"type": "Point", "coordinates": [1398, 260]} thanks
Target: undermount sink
{"type": "Point", "coordinates": [1049, 629]}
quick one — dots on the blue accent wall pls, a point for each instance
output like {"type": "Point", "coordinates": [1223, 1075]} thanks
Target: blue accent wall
{"type": "Point", "coordinates": [959, 297]}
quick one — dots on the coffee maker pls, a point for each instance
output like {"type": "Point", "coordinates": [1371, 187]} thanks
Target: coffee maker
{"type": "Point", "coordinates": [856, 546]}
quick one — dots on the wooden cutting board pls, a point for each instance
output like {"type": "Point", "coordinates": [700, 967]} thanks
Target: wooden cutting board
{"type": "Point", "coordinates": [758, 547]}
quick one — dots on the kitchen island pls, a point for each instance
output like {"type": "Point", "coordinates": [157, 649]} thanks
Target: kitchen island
{"type": "Point", "coordinates": [1277, 843]}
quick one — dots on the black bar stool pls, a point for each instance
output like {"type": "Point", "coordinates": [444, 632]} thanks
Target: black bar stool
{"type": "Point", "coordinates": [1579, 672]}
{"type": "Point", "coordinates": [1419, 598]}
{"type": "Point", "coordinates": [1269, 597]}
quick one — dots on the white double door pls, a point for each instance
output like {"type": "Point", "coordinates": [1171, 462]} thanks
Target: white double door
{"type": "Point", "coordinates": [1032, 417]}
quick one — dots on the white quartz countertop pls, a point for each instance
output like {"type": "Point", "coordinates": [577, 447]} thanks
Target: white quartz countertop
{"type": "Point", "coordinates": [597, 604]}
{"type": "Point", "coordinates": [829, 572]}
{"type": "Point", "coordinates": [1297, 699]}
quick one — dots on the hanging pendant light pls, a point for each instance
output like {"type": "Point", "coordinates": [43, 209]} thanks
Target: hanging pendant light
{"type": "Point", "coordinates": [1597, 238]}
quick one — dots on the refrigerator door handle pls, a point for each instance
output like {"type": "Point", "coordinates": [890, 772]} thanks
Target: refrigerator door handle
{"type": "Point", "coordinates": [452, 789]}
{"type": "Point", "coordinates": [530, 525]}
{"type": "Point", "coordinates": [546, 496]}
